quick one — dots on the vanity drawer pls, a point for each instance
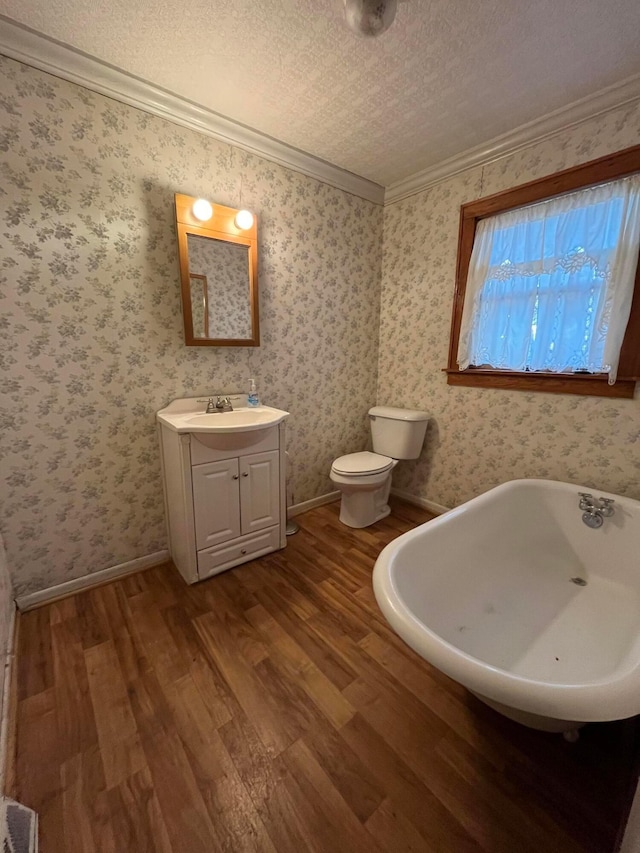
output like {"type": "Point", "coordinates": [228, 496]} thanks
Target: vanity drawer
{"type": "Point", "coordinates": [213, 447]}
{"type": "Point", "coordinates": [217, 559]}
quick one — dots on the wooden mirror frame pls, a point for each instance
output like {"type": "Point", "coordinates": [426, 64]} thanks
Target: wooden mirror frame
{"type": "Point", "coordinates": [221, 226]}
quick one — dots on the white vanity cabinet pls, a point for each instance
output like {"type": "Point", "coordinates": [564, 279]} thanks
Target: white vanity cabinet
{"type": "Point", "coordinates": [225, 496]}
{"type": "Point", "coordinates": [235, 497]}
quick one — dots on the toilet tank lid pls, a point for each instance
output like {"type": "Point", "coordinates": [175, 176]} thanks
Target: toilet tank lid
{"type": "Point", "coordinates": [398, 414]}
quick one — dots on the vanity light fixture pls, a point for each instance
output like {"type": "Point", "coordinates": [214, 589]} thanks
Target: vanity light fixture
{"type": "Point", "coordinates": [202, 209]}
{"type": "Point", "coordinates": [244, 220]}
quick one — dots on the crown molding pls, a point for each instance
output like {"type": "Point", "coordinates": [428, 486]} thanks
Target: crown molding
{"type": "Point", "coordinates": [32, 48]}
{"type": "Point", "coordinates": [526, 135]}
{"type": "Point", "coordinates": [56, 58]}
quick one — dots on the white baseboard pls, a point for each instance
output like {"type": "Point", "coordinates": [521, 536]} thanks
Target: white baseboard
{"type": "Point", "coordinates": [297, 509]}
{"type": "Point", "coordinates": [431, 506]}
{"type": "Point", "coordinates": [330, 497]}
{"type": "Point", "coordinates": [62, 590]}
{"type": "Point", "coordinates": [7, 674]}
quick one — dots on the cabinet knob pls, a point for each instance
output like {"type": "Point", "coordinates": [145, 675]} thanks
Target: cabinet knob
{"type": "Point", "coordinates": [243, 550]}
{"type": "Point", "coordinates": [245, 474]}
{"type": "Point", "coordinates": [235, 477]}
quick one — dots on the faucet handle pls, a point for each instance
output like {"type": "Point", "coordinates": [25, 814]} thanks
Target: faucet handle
{"type": "Point", "coordinates": [586, 501]}
{"type": "Point", "coordinates": [606, 506]}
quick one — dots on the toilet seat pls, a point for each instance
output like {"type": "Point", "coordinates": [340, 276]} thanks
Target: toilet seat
{"type": "Point", "coordinates": [361, 464]}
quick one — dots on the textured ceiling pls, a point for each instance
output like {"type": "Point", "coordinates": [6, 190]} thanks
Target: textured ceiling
{"type": "Point", "coordinates": [448, 75]}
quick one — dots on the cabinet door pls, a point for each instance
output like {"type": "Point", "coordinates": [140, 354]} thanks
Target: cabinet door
{"type": "Point", "coordinates": [216, 502]}
{"type": "Point", "coordinates": [259, 490]}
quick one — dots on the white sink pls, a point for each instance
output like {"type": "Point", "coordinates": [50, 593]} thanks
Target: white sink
{"type": "Point", "coordinates": [243, 419]}
{"type": "Point", "coordinates": [239, 419]}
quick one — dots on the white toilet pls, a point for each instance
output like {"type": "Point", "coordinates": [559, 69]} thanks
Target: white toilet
{"type": "Point", "coordinates": [365, 478]}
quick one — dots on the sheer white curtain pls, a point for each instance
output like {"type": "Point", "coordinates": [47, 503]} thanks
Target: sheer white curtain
{"type": "Point", "coordinates": [550, 285]}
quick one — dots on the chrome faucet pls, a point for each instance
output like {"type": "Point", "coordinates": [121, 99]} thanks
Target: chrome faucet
{"type": "Point", "coordinates": [595, 510]}
{"type": "Point", "coordinates": [223, 404]}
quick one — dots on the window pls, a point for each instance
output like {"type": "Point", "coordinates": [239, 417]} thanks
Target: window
{"type": "Point", "coordinates": [547, 294]}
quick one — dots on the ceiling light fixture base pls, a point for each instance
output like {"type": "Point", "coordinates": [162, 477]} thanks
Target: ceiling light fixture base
{"type": "Point", "coordinates": [370, 18]}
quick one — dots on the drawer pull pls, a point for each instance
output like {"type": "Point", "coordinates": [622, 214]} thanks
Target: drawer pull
{"type": "Point", "coordinates": [235, 477]}
{"type": "Point", "coordinates": [246, 474]}
{"type": "Point", "coordinates": [243, 550]}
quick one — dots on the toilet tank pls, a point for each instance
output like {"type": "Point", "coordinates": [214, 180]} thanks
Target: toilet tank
{"type": "Point", "coordinates": [398, 433]}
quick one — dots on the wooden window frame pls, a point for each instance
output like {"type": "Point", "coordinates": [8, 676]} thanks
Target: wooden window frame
{"type": "Point", "coordinates": [602, 170]}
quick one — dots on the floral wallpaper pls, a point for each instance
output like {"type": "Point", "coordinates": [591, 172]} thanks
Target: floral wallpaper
{"type": "Point", "coordinates": [92, 337]}
{"type": "Point", "coordinates": [92, 340]}
{"type": "Point", "coordinates": [226, 268]}
{"type": "Point", "coordinates": [481, 437]}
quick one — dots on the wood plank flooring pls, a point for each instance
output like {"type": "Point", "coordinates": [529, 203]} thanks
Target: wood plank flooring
{"type": "Point", "coordinates": [271, 708]}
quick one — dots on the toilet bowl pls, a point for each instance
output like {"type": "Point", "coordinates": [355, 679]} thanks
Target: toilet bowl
{"type": "Point", "coordinates": [364, 478]}
{"type": "Point", "coordinates": [365, 481]}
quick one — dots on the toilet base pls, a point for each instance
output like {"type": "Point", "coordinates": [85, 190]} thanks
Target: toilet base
{"type": "Point", "coordinates": [357, 520]}
{"type": "Point", "coordinates": [365, 503]}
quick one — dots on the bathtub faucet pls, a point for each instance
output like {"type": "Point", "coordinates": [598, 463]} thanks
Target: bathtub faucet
{"type": "Point", "coordinates": [594, 511]}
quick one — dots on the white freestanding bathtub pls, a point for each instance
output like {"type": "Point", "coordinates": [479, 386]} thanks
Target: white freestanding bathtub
{"type": "Point", "coordinates": [513, 596]}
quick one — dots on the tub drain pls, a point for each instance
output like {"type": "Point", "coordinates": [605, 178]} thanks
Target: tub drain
{"type": "Point", "coordinates": [579, 581]}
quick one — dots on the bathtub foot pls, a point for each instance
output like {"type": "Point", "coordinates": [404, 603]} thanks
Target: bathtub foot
{"type": "Point", "coordinates": [571, 736]}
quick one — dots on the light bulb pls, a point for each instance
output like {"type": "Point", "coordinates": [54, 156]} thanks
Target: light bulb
{"type": "Point", "coordinates": [244, 219]}
{"type": "Point", "coordinates": [370, 18]}
{"type": "Point", "coordinates": [202, 209]}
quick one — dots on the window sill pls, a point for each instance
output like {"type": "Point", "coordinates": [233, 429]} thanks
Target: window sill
{"type": "Point", "coordinates": [583, 384]}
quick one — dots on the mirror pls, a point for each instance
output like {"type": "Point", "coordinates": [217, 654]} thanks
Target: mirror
{"type": "Point", "coordinates": [218, 272]}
